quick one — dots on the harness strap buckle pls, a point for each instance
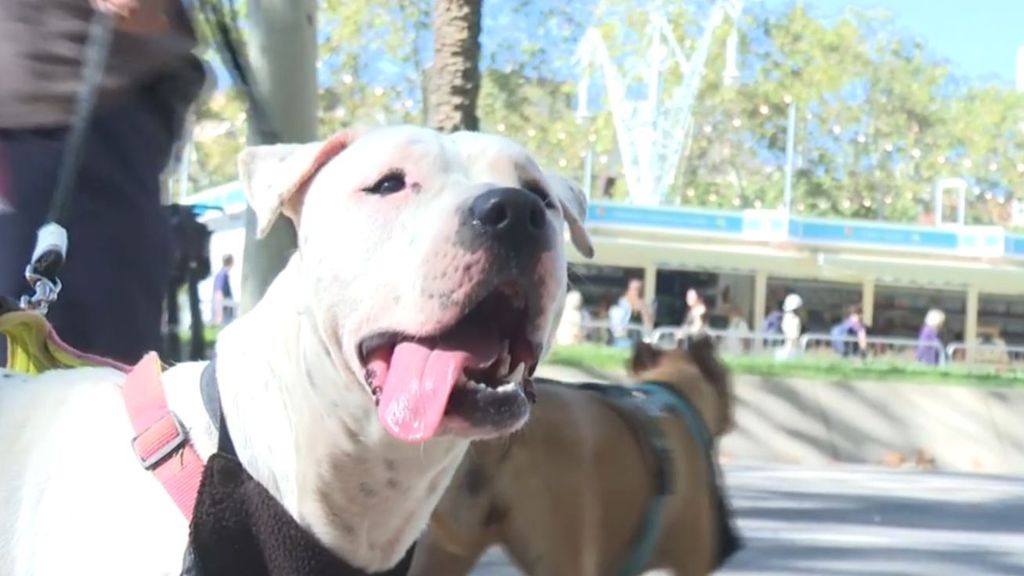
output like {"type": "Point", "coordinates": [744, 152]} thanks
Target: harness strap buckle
{"type": "Point", "coordinates": [162, 443]}
{"type": "Point", "coordinates": [154, 444]}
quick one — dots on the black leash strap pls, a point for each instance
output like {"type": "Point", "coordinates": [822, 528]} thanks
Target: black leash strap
{"type": "Point", "coordinates": [97, 50]}
{"type": "Point", "coordinates": [210, 391]}
{"type": "Point", "coordinates": [52, 238]}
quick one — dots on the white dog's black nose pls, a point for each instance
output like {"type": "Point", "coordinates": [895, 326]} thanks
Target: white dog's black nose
{"type": "Point", "coordinates": [509, 214]}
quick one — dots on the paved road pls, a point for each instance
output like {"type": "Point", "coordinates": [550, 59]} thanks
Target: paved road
{"type": "Point", "coordinates": [855, 521]}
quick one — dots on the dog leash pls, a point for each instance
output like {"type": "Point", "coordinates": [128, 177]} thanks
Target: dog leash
{"type": "Point", "coordinates": [666, 400]}
{"type": "Point", "coordinates": [51, 245]}
{"type": "Point", "coordinates": [52, 237]}
{"type": "Point", "coordinates": [639, 405]}
{"type": "Point", "coordinates": [630, 404]}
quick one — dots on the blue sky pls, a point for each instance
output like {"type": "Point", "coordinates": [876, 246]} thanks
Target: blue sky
{"type": "Point", "coordinates": [978, 37]}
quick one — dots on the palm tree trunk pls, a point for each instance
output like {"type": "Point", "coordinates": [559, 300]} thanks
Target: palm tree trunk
{"type": "Point", "coordinates": [455, 75]}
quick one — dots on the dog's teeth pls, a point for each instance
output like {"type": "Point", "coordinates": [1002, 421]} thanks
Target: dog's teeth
{"type": "Point", "coordinates": [507, 387]}
{"type": "Point", "coordinates": [517, 375]}
{"type": "Point", "coordinates": [504, 360]}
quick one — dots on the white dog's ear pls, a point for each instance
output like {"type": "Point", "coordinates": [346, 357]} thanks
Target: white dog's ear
{"type": "Point", "coordinates": [275, 177]}
{"type": "Point", "coordinates": [574, 206]}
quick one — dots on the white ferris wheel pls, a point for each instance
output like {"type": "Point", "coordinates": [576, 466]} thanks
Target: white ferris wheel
{"type": "Point", "coordinates": [654, 129]}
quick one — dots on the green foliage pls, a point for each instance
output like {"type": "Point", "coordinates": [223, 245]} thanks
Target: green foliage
{"type": "Point", "coordinates": [219, 136]}
{"type": "Point", "coordinates": [880, 118]}
{"type": "Point", "coordinates": [384, 41]}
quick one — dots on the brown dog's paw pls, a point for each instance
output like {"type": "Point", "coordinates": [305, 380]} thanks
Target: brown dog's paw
{"type": "Point", "coordinates": [924, 460]}
{"type": "Point", "coordinates": [894, 459]}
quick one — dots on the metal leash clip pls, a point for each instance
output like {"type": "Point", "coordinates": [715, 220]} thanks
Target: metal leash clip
{"type": "Point", "coordinates": [46, 293]}
{"type": "Point", "coordinates": [41, 273]}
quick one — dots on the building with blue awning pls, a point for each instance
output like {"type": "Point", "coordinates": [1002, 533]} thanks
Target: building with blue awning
{"type": "Point", "coordinates": [894, 271]}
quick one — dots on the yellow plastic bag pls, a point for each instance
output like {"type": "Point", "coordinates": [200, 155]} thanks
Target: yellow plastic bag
{"type": "Point", "coordinates": [33, 346]}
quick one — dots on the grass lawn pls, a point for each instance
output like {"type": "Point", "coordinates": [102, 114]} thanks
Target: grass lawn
{"type": "Point", "coordinates": [613, 361]}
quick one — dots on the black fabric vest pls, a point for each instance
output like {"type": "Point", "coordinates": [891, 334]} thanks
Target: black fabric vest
{"type": "Point", "coordinates": [238, 528]}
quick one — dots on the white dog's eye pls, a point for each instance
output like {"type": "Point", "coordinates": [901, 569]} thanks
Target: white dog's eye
{"type": "Point", "coordinates": [393, 181]}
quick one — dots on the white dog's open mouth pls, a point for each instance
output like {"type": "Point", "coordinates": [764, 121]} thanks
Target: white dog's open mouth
{"type": "Point", "coordinates": [476, 371]}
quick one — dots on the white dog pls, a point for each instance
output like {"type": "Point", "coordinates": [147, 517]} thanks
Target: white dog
{"type": "Point", "coordinates": [569, 327]}
{"type": "Point", "coordinates": [428, 280]}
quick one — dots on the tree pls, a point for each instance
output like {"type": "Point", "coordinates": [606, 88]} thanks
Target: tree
{"type": "Point", "coordinates": [372, 59]}
{"type": "Point", "coordinates": [880, 117]}
{"type": "Point", "coordinates": [219, 134]}
{"type": "Point", "coordinates": [373, 70]}
{"type": "Point", "coordinates": [455, 74]}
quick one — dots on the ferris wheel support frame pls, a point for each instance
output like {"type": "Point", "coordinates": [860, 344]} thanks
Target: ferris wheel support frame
{"type": "Point", "coordinates": [652, 136]}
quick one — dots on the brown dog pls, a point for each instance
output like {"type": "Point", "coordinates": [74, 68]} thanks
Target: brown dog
{"type": "Point", "coordinates": [567, 496]}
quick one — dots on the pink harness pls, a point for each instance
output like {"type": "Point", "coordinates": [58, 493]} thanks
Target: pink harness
{"type": "Point", "coordinates": [161, 441]}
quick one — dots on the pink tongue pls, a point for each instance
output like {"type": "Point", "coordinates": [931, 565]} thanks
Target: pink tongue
{"type": "Point", "coordinates": [419, 379]}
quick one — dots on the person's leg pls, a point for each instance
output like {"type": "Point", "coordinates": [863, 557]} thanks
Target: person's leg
{"type": "Point", "coordinates": [116, 272]}
{"type": "Point", "coordinates": [229, 312]}
{"type": "Point", "coordinates": [28, 174]}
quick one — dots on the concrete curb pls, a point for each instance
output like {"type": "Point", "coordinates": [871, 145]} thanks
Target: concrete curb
{"type": "Point", "coordinates": [955, 428]}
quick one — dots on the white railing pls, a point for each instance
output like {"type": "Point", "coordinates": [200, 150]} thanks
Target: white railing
{"type": "Point", "coordinates": [728, 342]}
{"type": "Point", "coordinates": [878, 347]}
{"type": "Point", "coordinates": [818, 345]}
{"type": "Point", "coordinates": [986, 354]}
{"type": "Point", "coordinates": [600, 332]}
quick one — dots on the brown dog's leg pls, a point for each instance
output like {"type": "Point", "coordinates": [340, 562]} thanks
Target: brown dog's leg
{"type": "Point", "coordinates": [691, 555]}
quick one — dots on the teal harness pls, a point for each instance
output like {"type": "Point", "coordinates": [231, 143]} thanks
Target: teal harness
{"type": "Point", "coordinates": [641, 406]}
